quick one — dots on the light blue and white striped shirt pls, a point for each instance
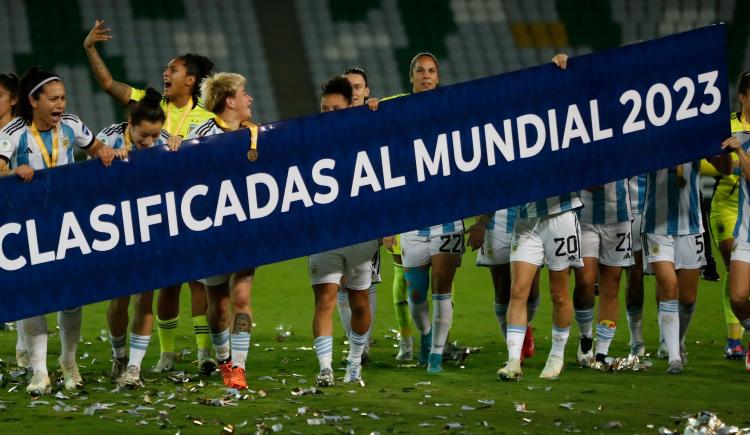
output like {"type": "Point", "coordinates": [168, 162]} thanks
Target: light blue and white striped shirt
{"type": "Point", "coordinates": [439, 230]}
{"type": "Point", "coordinates": [742, 227]}
{"type": "Point", "coordinates": [550, 206]}
{"type": "Point", "coordinates": [607, 204]}
{"type": "Point", "coordinates": [637, 192]}
{"type": "Point", "coordinates": [672, 205]}
{"type": "Point", "coordinates": [503, 220]}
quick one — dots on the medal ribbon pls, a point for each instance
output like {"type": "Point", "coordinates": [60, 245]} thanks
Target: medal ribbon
{"type": "Point", "coordinates": [50, 162]}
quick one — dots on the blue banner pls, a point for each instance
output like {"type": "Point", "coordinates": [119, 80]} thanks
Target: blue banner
{"type": "Point", "coordinates": [84, 233]}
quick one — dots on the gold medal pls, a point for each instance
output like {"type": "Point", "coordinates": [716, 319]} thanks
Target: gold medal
{"type": "Point", "coordinates": [252, 154]}
{"type": "Point", "coordinates": [50, 162]}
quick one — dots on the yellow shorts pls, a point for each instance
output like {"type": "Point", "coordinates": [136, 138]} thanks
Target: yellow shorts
{"type": "Point", "coordinates": [396, 249]}
{"type": "Point", "coordinates": [722, 222]}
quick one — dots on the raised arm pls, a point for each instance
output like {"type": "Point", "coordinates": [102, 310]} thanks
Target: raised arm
{"type": "Point", "coordinates": [119, 91]}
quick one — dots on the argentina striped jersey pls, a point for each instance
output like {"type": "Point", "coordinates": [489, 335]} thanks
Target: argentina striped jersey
{"type": "Point", "coordinates": [607, 204]}
{"type": "Point", "coordinates": [673, 201]}
{"type": "Point", "coordinates": [742, 227]}
{"type": "Point", "coordinates": [637, 192]}
{"type": "Point", "coordinates": [503, 220]}
{"type": "Point", "coordinates": [550, 206]}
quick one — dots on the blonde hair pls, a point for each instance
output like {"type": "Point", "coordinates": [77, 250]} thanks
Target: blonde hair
{"type": "Point", "coordinates": [216, 88]}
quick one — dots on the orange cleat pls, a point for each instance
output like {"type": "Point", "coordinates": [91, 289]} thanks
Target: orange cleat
{"type": "Point", "coordinates": [237, 379]}
{"type": "Point", "coordinates": [226, 373]}
{"type": "Point", "coordinates": [527, 351]}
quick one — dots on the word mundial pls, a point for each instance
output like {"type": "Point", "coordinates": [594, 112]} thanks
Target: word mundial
{"type": "Point", "coordinates": [511, 142]}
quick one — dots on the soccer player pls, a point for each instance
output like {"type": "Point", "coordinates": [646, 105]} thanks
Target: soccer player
{"type": "Point", "coordinates": [360, 92]}
{"type": "Point", "coordinates": [225, 95]}
{"type": "Point", "coordinates": [492, 235]}
{"type": "Point", "coordinates": [184, 110]}
{"type": "Point", "coordinates": [675, 251]}
{"type": "Point", "coordinates": [8, 113]}
{"type": "Point", "coordinates": [353, 264]}
{"type": "Point", "coordinates": [142, 130]}
{"type": "Point", "coordinates": [739, 270]}
{"type": "Point", "coordinates": [43, 137]}
{"type": "Point", "coordinates": [606, 249]}
{"type": "Point", "coordinates": [634, 295]}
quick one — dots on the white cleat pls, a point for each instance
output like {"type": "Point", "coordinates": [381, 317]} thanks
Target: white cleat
{"type": "Point", "coordinates": [130, 378]}
{"type": "Point", "coordinates": [638, 349]}
{"type": "Point", "coordinates": [71, 376]}
{"type": "Point", "coordinates": [39, 385]}
{"type": "Point", "coordinates": [165, 363]}
{"type": "Point", "coordinates": [511, 371]}
{"type": "Point", "coordinates": [585, 358]}
{"type": "Point", "coordinates": [553, 368]}
{"type": "Point", "coordinates": [405, 349]}
{"type": "Point", "coordinates": [353, 374]}
{"type": "Point", "coordinates": [324, 378]}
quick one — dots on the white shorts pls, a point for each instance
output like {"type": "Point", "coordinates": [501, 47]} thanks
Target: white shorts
{"type": "Point", "coordinates": [216, 279]}
{"type": "Point", "coordinates": [353, 263]}
{"type": "Point", "coordinates": [496, 248]}
{"type": "Point", "coordinates": [416, 251]}
{"type": "Point", "coordinates": [741, 251]}
{"type": "Point", "coordinates": [609, 243]}
{"type": "Point", "coordinates": [685, 252]}
{"type": "Point", "coordinates": [553, 240]}
{"type": "Point", "coordinates": [635, 232]}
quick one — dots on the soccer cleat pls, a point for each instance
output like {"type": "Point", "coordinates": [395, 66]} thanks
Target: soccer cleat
{"type": "Point", "coordinates": [683, 354]}
{"type": "Point", "coordinates": [23, 360]}
{"type": "Point", "coordinates": [435, 363]}
{"type": "Point", "coordinates": [552, 368]}
{"type": "Point", "coordinates": [675, 367]}
{"type": "Point", "coordinates": [527, 351]}
{"type": "Point", "coordinates": [511, 371]}
{"type": "Point", "coordinates": [734, 349]}
{"type": "Point", "coordinates": [130, 378]}
{"type": "Point", "coordinates": [237, 378]}
{"type": "Point", "coordinates": [638, 349]}
{"type": "Point", "coordinates": [206, 366]}
{"type": "Point", "coordinates": [353, 373]}
{"type": "Point", "coordinates": [165, 363]}
{"type": "Point", "coordinates": [585, 355]}
{"type": "Point", "coordinates": [71, 376]}
{"type": "Point", "coordinates": [226, 372]}
{"type": "Point", "coordinates": [324, 378]}
{"type": "Point", "coordinates": [118, 367]}
{"type": "Point", "coordinates": [39, 385]}
{"type": "Point", "coordinates": [405, 349]}
{"type": "Point", "coordinates": [662, 352]}
{"type": "Point", "coordinates": [425, 344]}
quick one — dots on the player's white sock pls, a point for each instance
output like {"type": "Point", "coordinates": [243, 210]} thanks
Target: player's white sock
{"type": "Point", "coordinates": [635, 324]}
{"type": "Point", "coordinates": [420, 312]}
{"type": "Point", "coordinates": [531, 307]}
{"type": "Point", "coordinates": [20, 339]}
{"type": "Point", "coordinates": [138, 346]}
{"type": "Point", "coordinates": [501, 310]}
{"type": "Point", "coordinates": [35, 333]}
{"type": "Point", "coordinates": [118, 345]}
{"type": "Point", "coordinates": [559, 339]}
{"type": "Point", "coordinates": [686, 315]}
{"type": "Point", "coordinates": [324, 350]}
{"type": "Point", "coordinates": [69, 322]}
{"type": "Point", "coordinates": [345, 311]}
{"type": "Point", "coordinates": [585, 320]}
{"type": "Point", "coordinates": [605, 333]}
{"type": "Point", "coordinates": [514, 340]}
{"type": "Point", "coordinates": [356, 347]}
{"type": "Point", "coordinates": [669, 325]}
{"type": "Point", "coordinates": [240, 348]}
{"type": "Point", "coordinates": [220, 341]}
{"type": "Point", "coordinates": [442, 317]}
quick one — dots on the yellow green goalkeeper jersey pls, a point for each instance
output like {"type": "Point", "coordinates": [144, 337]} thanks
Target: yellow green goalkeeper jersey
{"type": "Point", "coordinates": [178, 121]}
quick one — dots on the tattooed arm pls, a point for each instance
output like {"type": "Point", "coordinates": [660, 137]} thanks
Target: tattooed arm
{"type": "Point", "coordinates": [119, 91]}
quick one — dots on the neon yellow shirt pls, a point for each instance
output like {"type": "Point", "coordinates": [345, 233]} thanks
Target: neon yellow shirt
{"type": "Point", "coordinates": [197, 116]}
{"type": "Point", "coordinates": [726, 196]}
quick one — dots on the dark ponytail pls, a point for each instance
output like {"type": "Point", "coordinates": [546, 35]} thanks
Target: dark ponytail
{"type": "Point", "coordinates": [29, 82]}
{"type": "Point", "coordinates": [199, 67]}
{"type": "Point", "coordinates": [148, 109]}
{"type": "Point", "coordinates": [11, 83]}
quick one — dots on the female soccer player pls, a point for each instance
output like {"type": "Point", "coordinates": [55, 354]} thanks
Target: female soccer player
{"type": "Point", "coordinates": [634, 295]}
{"type": "Point", "coordinates": [224, 94]}
{"type": "Point", "coordinates": [44, 137]}
{"type": "Point", "coordinates": [142, 130]}
{"type": "Point", "coordinates": [606, 249]}
{"type": "Point", "coordinates": [184, 110]}
{"type": "Point", "coordinates": [492, 235]}
{"type": "Point", "coordinates": [739, 269]}
{"type": "Point", "coordinates": [353, 264]}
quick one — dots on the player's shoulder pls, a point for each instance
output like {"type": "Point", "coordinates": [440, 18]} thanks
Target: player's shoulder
{"type": "Point", "coordinates": [206, 128]}
{"type": "Point", "coordinates": [14, 128]}
{"type": "Point", "coordinates": [109, 135]}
